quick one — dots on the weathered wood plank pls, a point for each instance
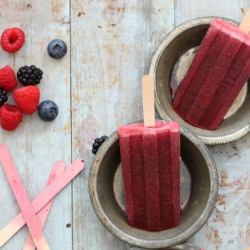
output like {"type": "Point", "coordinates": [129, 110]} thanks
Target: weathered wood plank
{"type": "Point", "coordinates": [37, 145]}
{"type": "Point", "coordinates": [228, 228]}
{"type": "Point", "coordinates": [112, 44]}
{"type": "Point", "coordinates": [186, 10]}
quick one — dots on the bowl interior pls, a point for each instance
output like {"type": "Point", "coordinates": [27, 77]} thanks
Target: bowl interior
{"type": "Point", "coordinates": [113, 217]}
{"type": "Point", "coordinates": [182, 39]}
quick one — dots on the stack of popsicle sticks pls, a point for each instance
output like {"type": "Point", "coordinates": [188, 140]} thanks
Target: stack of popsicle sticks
{"type": "Point", "coordinates": [59, 178]}
{"type": "Point", "coordinates": [58, 169]}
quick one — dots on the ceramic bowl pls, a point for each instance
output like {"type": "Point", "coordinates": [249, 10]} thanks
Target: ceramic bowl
{"type": "Point", "coordinates": [204, 186]}
{"type": "Point", "coordinates": [178, 42]}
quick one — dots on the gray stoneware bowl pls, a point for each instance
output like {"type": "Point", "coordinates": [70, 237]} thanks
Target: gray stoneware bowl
{"type": "Point", "coordinates": [204, 187]}
{"type": "Point", "coordinates": [185, 37]}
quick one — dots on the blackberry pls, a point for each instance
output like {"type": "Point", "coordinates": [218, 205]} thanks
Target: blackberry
{"type": "Point", "coordinates": [97, 143]}
{"type": "Point", "coordinates": [29, 75]}
{"type": "Point", "coordinates": [3, 97]}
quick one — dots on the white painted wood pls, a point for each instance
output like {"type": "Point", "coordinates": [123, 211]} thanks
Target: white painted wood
{"type": "Point", "coordinates": [36, 145]}
{"type": "Point", "coordinates": [229, 226]}
{"type": "Point", "coordinates": [112, 44]}
{"type": "Point", "coordinates": [186, 10]}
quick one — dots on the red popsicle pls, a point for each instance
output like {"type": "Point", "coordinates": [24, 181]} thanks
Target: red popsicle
{"type": "Point", "coordinates": [150, 155]}
{"type": "Point", "coordinates": [151, 172]}
{"type": "Point", "coordinates": [216, 76]}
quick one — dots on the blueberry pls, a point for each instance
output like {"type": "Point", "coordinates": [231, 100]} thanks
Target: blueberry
{"type": "Point", "coordinates": [48, 110]}
{"type": "Point", "coordinates": [57, 48]}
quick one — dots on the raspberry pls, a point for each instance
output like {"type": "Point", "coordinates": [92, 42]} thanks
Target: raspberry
{"type": "Point", "coordinates": [12, 39]}
{"type": "Point", "coordinates": [7, 78]}
{"type": "Point", "coordinates": [27, 99]}
{"type": "Point", "coordinates": [10, 117]}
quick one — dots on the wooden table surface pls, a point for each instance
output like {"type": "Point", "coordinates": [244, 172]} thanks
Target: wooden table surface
{"type": "Point", "coordinates": [97, 87]}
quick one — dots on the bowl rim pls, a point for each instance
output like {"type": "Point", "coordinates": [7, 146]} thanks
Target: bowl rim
{"type": "Point", "coordinates": [212, 198]}
{"type": "Point", "coordinates": [209, 140]}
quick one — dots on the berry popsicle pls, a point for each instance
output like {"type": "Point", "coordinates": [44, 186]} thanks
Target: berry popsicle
{"type": "Point", "coordinates": [218, 72]}
{"type": "Point", "coordinates": [150, 156]}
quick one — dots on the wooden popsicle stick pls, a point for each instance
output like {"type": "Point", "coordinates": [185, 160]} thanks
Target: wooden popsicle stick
{"type": "Point", "coordinates": [148, 101]}
{"type": "Point", "coordinates": [57, 169]}
{"type": "Point", "coordinates": [42, 199]}
{"type": "Point", "coordinates": [245, 22]}
{"type": "Point", "coordinates": [22, 199]}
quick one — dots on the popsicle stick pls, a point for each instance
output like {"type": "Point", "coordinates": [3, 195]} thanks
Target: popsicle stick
{"type": "Point", "coordinates": [245, 23]}
{"type": "Point", "coordinates": [148, 101]}
{"type": "Point", "coordinates": [58, 168]}
{"type": "Point", "coordinates": [22, 199]}
{"type": "Point", "coordinates": [42, 199]}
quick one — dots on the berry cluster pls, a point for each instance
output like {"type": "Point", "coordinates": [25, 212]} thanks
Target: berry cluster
{"type": "Point", "coordinates": [97, 143]}
{"type": "Point", "coordinates": [26, 98]}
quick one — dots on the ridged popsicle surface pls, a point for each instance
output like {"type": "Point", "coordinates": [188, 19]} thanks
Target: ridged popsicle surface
{"type": "Point", "coordinates": [216, 76]}
{"type": "Point", "coordinates": [151, 172]}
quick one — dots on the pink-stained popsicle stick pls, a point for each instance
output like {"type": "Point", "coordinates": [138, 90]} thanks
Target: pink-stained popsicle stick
{"type": "Point", "coordinates": [22, 199]}
{"type": "Point", "coordinates": [42, 199]}
{"type": "Point", "coordinates": [58, 168]}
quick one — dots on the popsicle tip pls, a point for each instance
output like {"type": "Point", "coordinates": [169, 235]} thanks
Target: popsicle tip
{"type": "Point", "coordinates": [79, 163]}
{"type": "Point", "coordinates": [245, 11]}
{"type": "Point", "coordinates": [147, 77]}
{"type": "Point", "coordinates": [245, 22]}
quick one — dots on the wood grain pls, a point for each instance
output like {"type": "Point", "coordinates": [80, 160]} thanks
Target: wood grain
{"type": "Point", "coordinates": [229, 226]}
{"type": "Point", "coordinates": [112, 44]}
{"type": "Point", "coordinates": [36, 145]}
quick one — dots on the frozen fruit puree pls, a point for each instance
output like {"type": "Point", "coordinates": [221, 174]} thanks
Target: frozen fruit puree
{"type": "Point", "coordinates": [216, 76]}
{"type": "Point", "coordinates": [151, 171]}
